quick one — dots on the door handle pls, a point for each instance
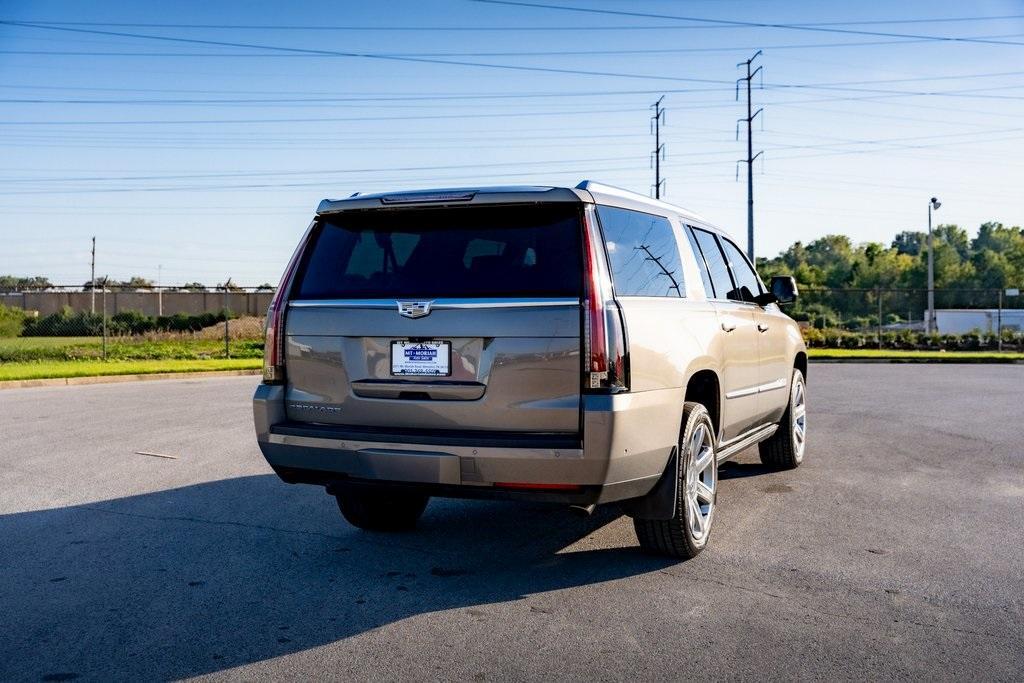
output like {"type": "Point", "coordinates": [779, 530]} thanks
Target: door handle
{"type": "Point", "coordinates": [762, 327]}
{"type": "Point", "coordinates": [728, 327]}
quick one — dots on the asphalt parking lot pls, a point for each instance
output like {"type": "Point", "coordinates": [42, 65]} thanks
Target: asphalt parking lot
{"type": "Point", "coordinates": [897, 550]}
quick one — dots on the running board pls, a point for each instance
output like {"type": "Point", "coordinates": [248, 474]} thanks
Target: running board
{"type": "Point", "coordinates": [731, 448]}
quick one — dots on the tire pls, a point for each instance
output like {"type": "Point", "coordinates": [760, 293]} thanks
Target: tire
{"type": "Point", "coordinates": [380, 510]}
{"type": "Point", "coordinates": [784, 450]}
{"type": "Point", "coordinates": [686, 534]}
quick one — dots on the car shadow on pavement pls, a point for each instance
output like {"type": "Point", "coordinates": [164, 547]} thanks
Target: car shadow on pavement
{"type": "Point", "coordinates": [730, 469]}
{"type": "Point", "coordinates": [199, 579]}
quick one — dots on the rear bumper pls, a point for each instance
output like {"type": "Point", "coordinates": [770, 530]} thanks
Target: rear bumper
{"type": "Point", "coordinates": [623, 452]}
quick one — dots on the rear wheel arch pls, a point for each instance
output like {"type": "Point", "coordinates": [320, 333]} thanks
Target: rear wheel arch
{"type": "Point", "coordinates": [704, 387]}
{"type": "Point", "coordinates": [800, 363]}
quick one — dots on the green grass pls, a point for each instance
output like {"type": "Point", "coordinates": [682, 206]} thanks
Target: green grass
{"type": "Point", "coordinates": [94, 368]}
{"type": "Point", "coordinates": [42, 349]}
{"type": "Point", "coordinates": [21, 343]}
{"type": "Point", "coordinates": [927, 356]}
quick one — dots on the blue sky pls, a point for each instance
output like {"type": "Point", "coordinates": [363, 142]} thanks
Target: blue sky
{"type": "Point", "coordinates": [202, 160]}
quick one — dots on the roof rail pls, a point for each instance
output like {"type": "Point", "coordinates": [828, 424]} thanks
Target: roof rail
{"type": "Point", "coordinates": [629, 195]}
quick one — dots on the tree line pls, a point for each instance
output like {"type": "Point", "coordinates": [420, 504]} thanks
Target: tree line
{"type": "Point", "coordinates": [993, 259]}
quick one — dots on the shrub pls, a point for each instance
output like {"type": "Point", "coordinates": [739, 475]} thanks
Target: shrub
{"type": "Point", "coordinates": [12, 321]}
{"type": "Point", "coordinates": [130, 322]}
{"type": "Point", "coordinates": [813, 336]}
{"type": "Point", "coordinates": [861, 322]}
{"type": "Point", "coordinates": [67, 323]}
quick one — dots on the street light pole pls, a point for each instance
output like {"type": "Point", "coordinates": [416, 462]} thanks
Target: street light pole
{"type": "Point", "coordinates": [930, 326]}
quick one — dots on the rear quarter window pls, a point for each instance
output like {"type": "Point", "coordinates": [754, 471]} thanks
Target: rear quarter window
{"type": "Point", "coordinates": [464, 252]}
{"type": "Point", "coordinates": [642, 253]}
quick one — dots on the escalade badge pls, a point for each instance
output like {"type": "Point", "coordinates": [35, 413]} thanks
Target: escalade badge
{"type": "Point", "coordinates": [414, 309]}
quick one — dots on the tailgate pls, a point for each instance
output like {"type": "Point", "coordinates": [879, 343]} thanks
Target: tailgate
{"type": "Point", "coordinates": [513, 366]}
{"type": "Point", "coordinates": [461, 319]}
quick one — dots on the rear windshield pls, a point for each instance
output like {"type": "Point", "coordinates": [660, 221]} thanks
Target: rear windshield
{"type": "Point", "coordinates": [494, 251]}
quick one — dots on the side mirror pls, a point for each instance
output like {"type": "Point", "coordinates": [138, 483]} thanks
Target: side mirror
{"type": "Point", "coordinates": [784, 289]}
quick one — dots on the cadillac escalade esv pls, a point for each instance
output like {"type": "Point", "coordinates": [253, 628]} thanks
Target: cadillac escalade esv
{"type": "Point", "coordinates": [580, 346]}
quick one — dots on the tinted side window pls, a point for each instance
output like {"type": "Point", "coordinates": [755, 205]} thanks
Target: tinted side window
{"type": "Point", "coordinates": [717, 265]}
{"type": "Point", "coordinates": [642, 253]}
{"type": "Point", "coordinates": [747, 284]}
{"type": "Point", "coordinates": [702, 268]}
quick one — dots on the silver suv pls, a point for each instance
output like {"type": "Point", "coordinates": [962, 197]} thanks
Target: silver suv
{"type": "Point", "coordinates": [578, 345]}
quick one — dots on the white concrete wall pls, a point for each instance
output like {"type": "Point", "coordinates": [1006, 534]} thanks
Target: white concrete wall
{"type": "Point", "coordinates": [962, 321]}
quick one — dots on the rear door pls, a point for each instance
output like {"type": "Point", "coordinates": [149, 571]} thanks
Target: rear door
{"type": "Point", "coordinates": [775, 365]}
{"type": "Point", "coordinates": [738, 320]}
{"type": "Point", "coordinates": [459, 318]}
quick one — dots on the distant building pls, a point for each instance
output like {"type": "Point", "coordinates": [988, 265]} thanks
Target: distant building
{"type": "Point", "coordinates": [964, 320]}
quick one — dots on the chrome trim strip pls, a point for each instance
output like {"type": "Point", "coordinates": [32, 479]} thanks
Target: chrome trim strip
{"type": "Point", "coordinates": [734, 446]}
{"type": "Point", "coordinates": [759, 389]}
{"type": "Point", "coordinates": [500, 452]}
{"type": "Point", "coordinates": [772, 386]}
{"type": "Point", "coordinates": [437, 303]}
{"type": "Point", "coordinates": [739, 393]}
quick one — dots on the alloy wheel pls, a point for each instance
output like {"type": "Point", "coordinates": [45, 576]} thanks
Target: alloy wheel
{"type": "Point", "coordinates": [701, 482]}
{"type": "Point", "coordinates": [799, 412]}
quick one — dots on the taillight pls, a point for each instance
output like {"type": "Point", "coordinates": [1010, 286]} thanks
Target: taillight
{"type": "Point", "coordinates": [604, 352]}
{"type": "Point", "coordinates": [273, 346]}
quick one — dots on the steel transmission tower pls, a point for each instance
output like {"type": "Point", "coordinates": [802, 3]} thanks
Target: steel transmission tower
{"type": "Point", "coordinates": [751, 157]}
{"type": "Point", "coordinates": [658, 155]}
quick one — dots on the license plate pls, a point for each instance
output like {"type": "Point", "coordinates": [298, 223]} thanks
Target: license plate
{"type": "Point", "coordinates": [430, 358]}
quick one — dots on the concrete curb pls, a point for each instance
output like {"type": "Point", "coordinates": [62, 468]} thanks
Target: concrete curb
{"type": "Point", "coordinates": [112, 379]}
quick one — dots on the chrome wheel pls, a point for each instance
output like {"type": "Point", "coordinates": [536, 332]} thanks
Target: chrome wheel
{"type": "Point", "coordinates": [798, 409]}
{"type": "Point", "coordinates": [701, 482]}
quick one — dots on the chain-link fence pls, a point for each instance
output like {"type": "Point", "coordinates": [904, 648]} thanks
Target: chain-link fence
{"type": "Point", "coordinates": [964, 319]}
{"type": "Point", "coordinates": [128, 323]}
{"type": "Point", "coordinates": [120, 322]}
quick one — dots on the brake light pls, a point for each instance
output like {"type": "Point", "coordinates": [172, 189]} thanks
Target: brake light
{"type": "Point", "coordinates": [604, 352]}
{"type": "Point", "coordinates": [273, 346]}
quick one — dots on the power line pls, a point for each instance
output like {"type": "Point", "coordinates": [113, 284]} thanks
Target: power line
{"type": "Point", "coordinates": [829, 147]}
{"type": "Point", "coordinates": [256, 174]}
{"type": "Point", "coordinates": [899, 142]}
{"type": "Point", "coordinates": [835, 85]}
{"type": "Point", "coordinates": [532, 53]}
{"type": "Point", "coordinates": [827, 28]}
{"type": "Point", "coordinates": [329, 27]}
{"type": "Point", "coordinates": [381, 56]}
{"type": "Point", "coordinates": [475, 177]}
{"type": "Point", "coordinates": [469, 96]}
{"type": "Point", "coordinates": [359, 55]}
{"type": "Point", "coordinates": [421, 117]}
